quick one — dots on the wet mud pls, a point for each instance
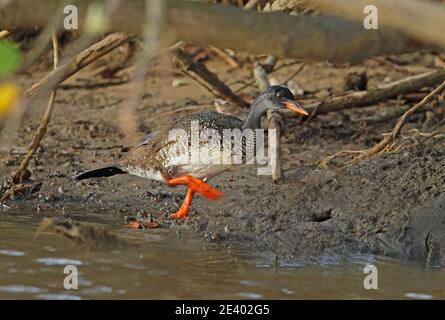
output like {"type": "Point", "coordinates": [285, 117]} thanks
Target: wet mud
{"type": "Point", "coordinates": [392, 204]}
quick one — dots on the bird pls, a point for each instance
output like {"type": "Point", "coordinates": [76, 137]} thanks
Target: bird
{"type": "Point", "coordinates": [160, 156]}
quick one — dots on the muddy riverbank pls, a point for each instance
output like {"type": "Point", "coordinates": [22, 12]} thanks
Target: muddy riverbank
{"type": "Point", "coordinates": [392, 204]}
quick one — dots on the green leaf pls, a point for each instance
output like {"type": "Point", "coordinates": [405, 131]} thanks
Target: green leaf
{"type": "Point", "coordinates": [9, 57]}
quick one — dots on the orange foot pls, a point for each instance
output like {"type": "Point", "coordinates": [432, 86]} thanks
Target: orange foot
{"type": "Point", "coordinates": [195, 185]}
{"type": "Point", "coordinates": [183, 212]}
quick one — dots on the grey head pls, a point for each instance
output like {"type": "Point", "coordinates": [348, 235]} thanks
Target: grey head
{"type": "Point", "coordinates": [273, 98]}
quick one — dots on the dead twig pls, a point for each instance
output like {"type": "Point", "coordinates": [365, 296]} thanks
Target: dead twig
{"type": "Point", "coordinates": [252, 82]}
{"type": "Point", "coordinates": [294, 74]}
{"type": "Point", "coordinates": [50, 82]}
{"type": "Point", "coordinates": [396, 131]}
{"type": "Point", "coordinates": [226, 57]}
{"type": "Point", "coordinates": [373, 96]}
{"type": "Point", "coordinates": [93, 85]}
{"type": "Point", "coordinates": [385, 61]}
{"type": "Point", "coordinates": [76, 63]}
{"type": "Point", "coordinates": [212, 83]}
{"type": "Point", "coordinates": [388, 141]}
{"type": "Point", "coordinates": [199, 81]}
{"type": "Point", "coordinates": [41, 130]}
{"type": "Point", "coordinates": [386, 116]}
{"type": "Point", "coordinates": [274, 122]}
{"type": "Point", "coordinates": [274, 119]}
{"type": "Point", "coordinates": [324, 163]}
{"type": "Point", "coordinates": [20, 189]}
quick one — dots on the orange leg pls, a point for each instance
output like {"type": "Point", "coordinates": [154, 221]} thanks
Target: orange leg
{"type": "Point", "coordinates": [183, 212]}
{"type": "Point", "coordinates": [195, 186]}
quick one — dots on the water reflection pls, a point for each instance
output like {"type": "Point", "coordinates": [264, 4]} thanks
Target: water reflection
{"type": "Point", "coordinates": [164, 266]}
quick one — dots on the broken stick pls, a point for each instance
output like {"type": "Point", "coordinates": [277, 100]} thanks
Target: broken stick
{"type": "Point", "coordinates": [77, 62]}
{"type": "Point", "coordinates": [388, 138]}
{"type": "Point", "coordinates": [273, 118]}
{"type": "Point", "coordinates": [17, 176]}
{"type": "Point", "coordinates": [199, 72]}
{"type": "Point", "coordinates": [274, 123]}
{"type": "Point", "coordinates": [373, 96]}
{"type": "Point", "coordinates": [51, 81]}
{"type": "Point", "coordinates": [399, 124]}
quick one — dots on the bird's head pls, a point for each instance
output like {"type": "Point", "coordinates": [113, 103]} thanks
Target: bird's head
{"type": "Point", "coordinates": [279, 97]}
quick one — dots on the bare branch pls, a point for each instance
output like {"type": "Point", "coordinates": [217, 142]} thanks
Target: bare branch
{"type": "Point", "coordinates": [76, 63]}
{"type": "Point", "coordinates": [396, 131]}
{"type": "Point", "coordinates": [210, 80]}
{"type": "Point", "coordinates": [373, 96]}
{"type": "Point", "coordinates": [277, 33]}
{"type": "Point", "coordinates": [274, 119]}
{"type": "Point", "coordinates": [388, 140]}
{"type": "Point", "coordinates": [420, 19]}
{"type": "Point", "coordinates": [41, 130]}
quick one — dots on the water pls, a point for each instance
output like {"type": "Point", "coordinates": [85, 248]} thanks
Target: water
{"type": "Point", "coordinates": [164, 266]}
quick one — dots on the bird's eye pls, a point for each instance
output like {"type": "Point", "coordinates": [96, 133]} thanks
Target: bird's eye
{"type": "Point", "coordinates": [280, 95]}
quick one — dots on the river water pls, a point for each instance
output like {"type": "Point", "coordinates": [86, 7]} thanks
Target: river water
{"type": "Point", "coordinates": [164, 266]}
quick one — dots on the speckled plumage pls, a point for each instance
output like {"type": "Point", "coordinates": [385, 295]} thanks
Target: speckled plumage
{"type": "Point", "coordinates": [163, 157]}
{"type": "Point", "coordinates": [153, 158]}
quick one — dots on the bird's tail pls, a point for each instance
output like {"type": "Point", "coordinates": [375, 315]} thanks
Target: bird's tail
{"type": "Point", "coordinates": [98, 173]}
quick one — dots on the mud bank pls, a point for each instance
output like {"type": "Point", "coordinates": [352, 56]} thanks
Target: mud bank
{"type": "Point", "coordinates": [392, 204]}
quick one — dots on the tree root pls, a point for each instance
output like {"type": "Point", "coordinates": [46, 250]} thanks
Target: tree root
{"type": "Point", "coordinates": [389, 141]}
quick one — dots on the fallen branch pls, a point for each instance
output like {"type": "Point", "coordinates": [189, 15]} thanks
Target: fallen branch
{"type": "Point", "coordinates": [389, 139]}
{"type": "Point", "coordinates": [76, 63]}
{"type": "Point", "coordinates": [373, 96]}
{"type": "Point", "coordinates": [49, 83]}
{"type": "Point", "coordinates": [385, 116]}
{"type": "Point", "coordinates": [226, 57]}
{"type": "Point", "coordinates": [252, 82]}
{"type": "Point", "coordinates": [20, 189]}
{"type": "Point", "coordinates": [403, 15]}
{"type": "Point", "coordinates": [199, 72]}
{"type": "Point", "coordinates": [396, 131]}
{"type": "Point", "coordinates": [276, 33]}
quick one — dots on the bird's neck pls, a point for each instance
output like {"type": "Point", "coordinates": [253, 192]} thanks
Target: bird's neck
{"type": "Point", "coordinates": [256, 111]}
